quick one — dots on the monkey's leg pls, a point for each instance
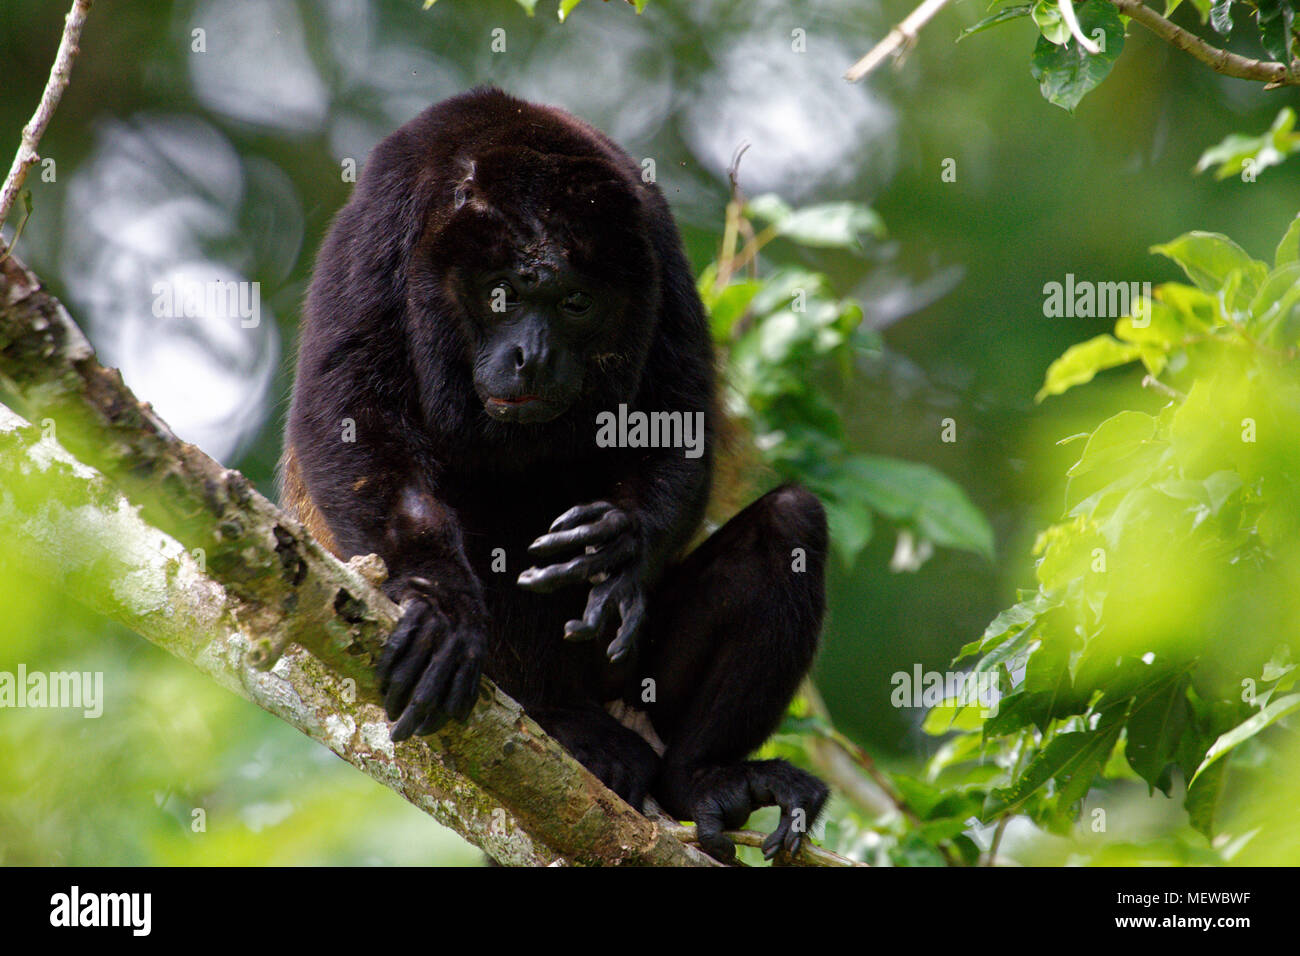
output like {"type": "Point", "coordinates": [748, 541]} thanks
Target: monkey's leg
{"type": "Point", "coordinates": [622, 760]}
{"type": "Point", "coordinates": [732, 632]}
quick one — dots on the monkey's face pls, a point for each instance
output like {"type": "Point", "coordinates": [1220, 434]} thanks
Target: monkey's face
{"type": "Point", "coordinates": [537, 325]}
{"type": "Point", "coordinates": [547, 260]}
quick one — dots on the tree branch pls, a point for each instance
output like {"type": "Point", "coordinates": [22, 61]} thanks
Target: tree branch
{"type": "Point", "coordinates": [1221, 61]}
{"type": "Point", "coordinates": [1274, 75]}
{"type": "Point", "coordinates": [897, 41]}
{"type": "Point", "coordinates": [54, 87]}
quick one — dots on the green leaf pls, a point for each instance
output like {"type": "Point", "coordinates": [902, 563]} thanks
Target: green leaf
{"type": "Point", "coordinates": [1047, 15]}
{"type": "Point", "coordinates": [1008, 624]}
{"type": "Point", "coordinates": [566, 7]}
{"type": "Point", "coordinates": [1073, 759]}
{"type": "Point", "coordinates": [1275, 22]}
{"type": "Point", "coordinates": [953, 715]}
{"type": "Point", "coordinates": [1202, 799]}
{"type": "Point", "coordinates": [1081, 362]}
{"type": "Point", "coordinates": [851, 526]}
{"type": "Point", "coordinates": [1066, 74]}
{"type": "Point", "coordinates": [1277, 298]}
{"type": "Point", "coordinates": [1113, 440]}
{"type": "Point", "coordinates": [1267, 149]}
{"type": "Point", "coordinates": [1247, 729]}
{"type": "Point", "coordinates": [1157, 719]}
{"type": "Point", "coordinates": [726, 308]}
{"type": "Point", "coordinates": [1002, 16]}
{"type": "Point", "coordinates": [1210, 259]}
{"type": "Point", "coordinates": [530, 6]}
{"type": "Point", "coordinates": [919, 495]}
{"type": "Point", "coordinates": [1202, 7]}
{"type": "Point", "coordinates": [837, 225]}
{"type": "Point", "coordinates": [1288, 250]}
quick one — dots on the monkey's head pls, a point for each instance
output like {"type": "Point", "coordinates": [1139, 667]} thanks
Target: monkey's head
{"type": "Point", "coordinates": [546, 261]}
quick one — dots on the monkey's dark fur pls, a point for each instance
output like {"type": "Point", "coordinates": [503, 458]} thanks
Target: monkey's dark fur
{"type": "Point", "coordinates": [500, 276]}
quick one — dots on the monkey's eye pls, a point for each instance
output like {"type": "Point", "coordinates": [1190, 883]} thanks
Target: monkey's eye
{"type": "Point", "coordinates": [576, 303]}
{"type": "Point", "coordinates": [502, 297]}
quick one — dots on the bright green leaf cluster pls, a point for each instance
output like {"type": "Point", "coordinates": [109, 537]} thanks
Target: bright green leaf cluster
{"type": "Point", "coordinates": [1161, 634]}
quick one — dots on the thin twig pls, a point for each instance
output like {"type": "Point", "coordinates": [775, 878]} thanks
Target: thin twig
{"type": "Point", "coordinates": [1220, 61]}
{"type": "Point", "coordinates": [897, 41]}
{"type": "Point", "coordinates": [35, 129]}
{"type": "Point", "coordinates": [809, 853]}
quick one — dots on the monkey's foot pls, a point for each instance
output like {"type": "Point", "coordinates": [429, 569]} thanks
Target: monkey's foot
{"type": "Point", "coordinates": [722, 798]}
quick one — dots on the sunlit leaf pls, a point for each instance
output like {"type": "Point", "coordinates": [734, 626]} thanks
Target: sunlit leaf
{"type": "Point", "coordinates": [1288, 250]}
{"type": "Point", "coordinates": [1210, 259]}
{"type": "Point", "coordinates": [1083, 361]}
{"type": "Point", "coordinates": [1249, 728]}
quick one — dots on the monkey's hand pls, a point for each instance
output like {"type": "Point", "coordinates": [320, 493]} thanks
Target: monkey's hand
{"type": "Point", "coordinates": [598, 544]}
{"type": "Point", "coordinates": [430, 666]}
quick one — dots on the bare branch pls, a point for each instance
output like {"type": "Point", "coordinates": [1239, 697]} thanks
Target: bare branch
{"type": "Point", "coordinates": [54, 87]}
{"type": "Point", "coordinates": [897, 41]}
{"type": "Point", "coordinates": [1220, 61]}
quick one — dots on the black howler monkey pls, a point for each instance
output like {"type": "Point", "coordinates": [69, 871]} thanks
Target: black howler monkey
{"type": "Point", "coordinates": [502, 276]}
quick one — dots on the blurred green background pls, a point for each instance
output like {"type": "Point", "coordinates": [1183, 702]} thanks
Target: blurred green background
{"type": "Point", "coordinates": [224, 162]}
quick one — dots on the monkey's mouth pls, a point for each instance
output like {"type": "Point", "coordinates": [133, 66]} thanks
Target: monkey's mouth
{"type": "Point", "coordinates": [521, 408]}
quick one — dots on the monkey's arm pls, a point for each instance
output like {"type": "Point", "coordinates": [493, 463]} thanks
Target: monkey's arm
{"type": "Point", "coordinates": [374, 498]}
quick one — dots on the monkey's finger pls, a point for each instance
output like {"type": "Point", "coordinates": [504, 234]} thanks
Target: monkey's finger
{"type": "Point", "coordinates": [586, 535]}
{"type": "Point", "coordinates": [399, 641]}
{"type": "Point", "coordinates": [777, 838]}
{"type": "Point", "coordinates": [406, 675]}
{"type": "Point", "coordinates": [580, 569]}
{"type": "Point", "coordinates": [429, 695]}
{"type": "Point", "coordinates": [599, 612]}
{"type": "Point", "coordinates": [432, 724]}
{"type": "Point", "coordinates": [580, 514]}
{"type": "Point", "coordinates": [708, 830]}
{"type": "Point", "coordinates": [464, 690]}
{"type": "Point", "coordinates": [632, 611]}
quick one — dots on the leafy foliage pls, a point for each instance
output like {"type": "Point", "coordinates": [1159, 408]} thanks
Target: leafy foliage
{"type": "Point", "coordinates": [1077, 48]}
{"type": "Point", "coordinates": [783, 334]}
{"type": "Point", "coordinates": [1161, 634]}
